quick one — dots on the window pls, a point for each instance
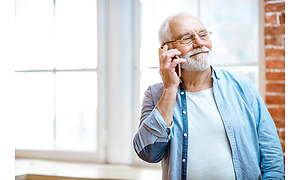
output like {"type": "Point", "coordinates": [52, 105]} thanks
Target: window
{"type": "Point", "coordinates": [56, 75]}
{"type": "Point", "coordinates": [234, 26]}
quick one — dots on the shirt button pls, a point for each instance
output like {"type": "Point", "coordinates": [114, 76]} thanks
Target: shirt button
{"type": "Point", "coordinates": [182, 93]}
{"type": "Point", "coordinates": [183, 160]}
{"type": "Point", "coordinates": [184, 112]}
{"type": "Point", "coordinates": [185, 134]}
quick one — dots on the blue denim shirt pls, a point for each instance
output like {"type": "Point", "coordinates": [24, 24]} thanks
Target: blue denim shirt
{"type": "Point", "coordinates": [252, 135]}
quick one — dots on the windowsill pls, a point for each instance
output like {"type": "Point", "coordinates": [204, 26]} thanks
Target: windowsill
{"type": "Point", "coordinates": [33, 169]}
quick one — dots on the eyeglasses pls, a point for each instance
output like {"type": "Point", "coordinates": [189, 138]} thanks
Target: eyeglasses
{"type": "Point", "coordinates": [189, 39]}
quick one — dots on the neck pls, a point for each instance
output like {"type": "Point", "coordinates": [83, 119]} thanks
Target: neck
{"type": "Point", "coordinates": [195, 81]}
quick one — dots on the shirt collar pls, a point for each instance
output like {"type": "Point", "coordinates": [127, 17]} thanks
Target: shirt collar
{"type": "Point", "coordinates": [214, 73]}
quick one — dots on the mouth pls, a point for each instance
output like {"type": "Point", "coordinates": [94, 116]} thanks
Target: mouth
{"type": "Point", "coordinates": [199, 53]}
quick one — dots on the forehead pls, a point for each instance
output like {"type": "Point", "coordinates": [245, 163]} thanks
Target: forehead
{"type": "Point", "coordinates": [185, 25]}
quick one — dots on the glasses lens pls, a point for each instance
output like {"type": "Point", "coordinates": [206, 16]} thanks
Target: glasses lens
{"type": "Point", "coordinates": [187, 39]}
{"type": "Point", "coordinates": [204, 35]}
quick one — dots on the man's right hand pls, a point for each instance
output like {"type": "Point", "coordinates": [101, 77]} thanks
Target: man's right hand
{"type": "Point", "coordinates": [167, 64]}
{"type": "Point", "coordinates": [171, 81]}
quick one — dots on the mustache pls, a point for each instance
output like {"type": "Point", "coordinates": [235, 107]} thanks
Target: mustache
{"type": "Point", "coordinates": [198, 50]}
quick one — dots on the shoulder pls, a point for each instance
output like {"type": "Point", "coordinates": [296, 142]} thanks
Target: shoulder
{"type": "Point", "coordinates": [153, 89]}
{"type": "Point", "coordinates": [235, 80]}
{"type": "Point", "coordinates": [233, 77]}
{"type": "Point", "coordinates": [222, 73]}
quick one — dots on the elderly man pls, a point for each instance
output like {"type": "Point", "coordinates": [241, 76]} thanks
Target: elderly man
{"type": "Point", "coordinates": [208, 123]}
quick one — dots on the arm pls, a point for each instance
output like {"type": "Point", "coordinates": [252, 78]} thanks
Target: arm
{"type": "Point", "coordinates": [153, 135]}
{"type": "Point", "coordinates": [151, 140]}
{"type": "Point", "coordinates": [170, 80]}
{"type": "Point", "coordinates": [272, 165]}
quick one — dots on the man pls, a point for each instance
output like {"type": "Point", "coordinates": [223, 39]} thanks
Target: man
{"type": "Point", "coordinates": [207, 124]}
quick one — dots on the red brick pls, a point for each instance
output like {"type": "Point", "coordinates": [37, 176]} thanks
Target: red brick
{"type": "Point", "coordinates": [275, 64]}
{"type": "Point", "coordinates": [277, 40]}
{"type": "Point", "coordinates": [282, 18]}
{"type": "Point", "coordinates": [275, 100]}
{"type": "Point", "coordinates": [278, 113]}
{"type": "Point", "coordinates": [279, 122]}
{"type": "Point", "coordinates": [271, 18]}
{"type": "Point", "coordinates": [272, 52]}
{"type": "Point", "coordinates": [282, 135]}
{"type": "Point", "coordinates": [275, 7]}
{"type": "Point", "coordinates": [275, 75]}
{"type": "Point", "coordinates": [275, 30]}
{"type": "Point", "coordinates": [275, 87]}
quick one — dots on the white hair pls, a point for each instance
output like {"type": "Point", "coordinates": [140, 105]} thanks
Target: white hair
{"type": "Point", "coordinates": [164, 32]}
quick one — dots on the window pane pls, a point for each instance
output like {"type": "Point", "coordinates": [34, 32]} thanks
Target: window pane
{"type": "Point", "coordinates": [34, 34]}
{"type": "Point", "coordinates": [234, 29]}
{"type": "Point", "coordinates": [34, 109]}
{"type": "Point", "coordinates": [75, 34]}
{"type": "Point", "coordinates": [76, 105]}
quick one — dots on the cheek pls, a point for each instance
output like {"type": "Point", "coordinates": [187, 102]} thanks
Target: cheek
{"type": "Point", "coordinates": [208, 44]}
{"type": "Point", "coordinates": [184, 51]}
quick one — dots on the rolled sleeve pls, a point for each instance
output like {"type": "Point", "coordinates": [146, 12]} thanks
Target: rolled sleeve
{"type": "Point", "coordinates": [153, 135]}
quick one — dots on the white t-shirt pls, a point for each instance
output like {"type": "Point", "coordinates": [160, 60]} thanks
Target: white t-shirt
{"type": "Point", "coordinates": [209, 153]}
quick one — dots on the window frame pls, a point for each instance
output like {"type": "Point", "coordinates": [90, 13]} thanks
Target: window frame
{"type": "Point", "coordinates": [99, 155]}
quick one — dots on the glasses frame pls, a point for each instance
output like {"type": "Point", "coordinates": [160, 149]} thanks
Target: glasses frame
{"type": "Point", "coordinates": [194, 35]}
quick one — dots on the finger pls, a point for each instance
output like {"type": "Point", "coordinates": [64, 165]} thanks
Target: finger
{"type": "Point", "coordinates": [175, 62]}
{"type": "Point", "coordinates": [172, 54]}
{"type": "Point", "coordinates": [165, 47]}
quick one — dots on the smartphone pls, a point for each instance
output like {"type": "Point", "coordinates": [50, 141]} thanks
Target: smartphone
{"type": "Point", "coordinates": [177, 68]}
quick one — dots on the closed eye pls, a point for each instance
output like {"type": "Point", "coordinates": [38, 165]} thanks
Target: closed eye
{"type": "Point", "coordinates": [187, 37]}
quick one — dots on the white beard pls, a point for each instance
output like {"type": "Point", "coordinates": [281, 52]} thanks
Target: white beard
{"type": "Point", "coordinates": [200, 63]}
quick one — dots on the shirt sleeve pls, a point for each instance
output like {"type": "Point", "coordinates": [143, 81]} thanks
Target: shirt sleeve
{"type": "Point", "coordinates": [272, 163]}
{"type": "Point", "coordinates": [151, 140]}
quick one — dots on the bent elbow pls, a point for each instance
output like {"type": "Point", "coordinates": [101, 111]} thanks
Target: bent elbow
{"type": "Point", "coordinates": [153, 153]}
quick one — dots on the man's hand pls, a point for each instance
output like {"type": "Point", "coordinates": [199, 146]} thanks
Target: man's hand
{"type": "Point", "coordinates": [168, 63]}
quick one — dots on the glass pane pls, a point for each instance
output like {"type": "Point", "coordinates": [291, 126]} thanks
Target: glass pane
{"type": "Point", "coordinates": [250, 72]}
{"type": "Point", "coordinates": [34, 107]}
{"type": "Point", "coordinates": [75, 34]}
{"type": "Point", "coordinates": [34, 34]}
{"type": "Point", "coordinates": [153, 13]}
{"type": "Point", "coordinates": [148, 77]}
{"type": "Point", "coordinates": [234, 29]}
{"type": "Point", "coordinates": [76, 111]}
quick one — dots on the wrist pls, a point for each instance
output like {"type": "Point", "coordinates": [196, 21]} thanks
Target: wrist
{"type": "Point", "coordinates": [170, 90]}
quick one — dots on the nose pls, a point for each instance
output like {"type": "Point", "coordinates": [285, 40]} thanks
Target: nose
{"type": "Point", "coordinates": [198, 42]}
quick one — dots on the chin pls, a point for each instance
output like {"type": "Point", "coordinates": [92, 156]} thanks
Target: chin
{"type": "Point", "coordinates": [201, 63]}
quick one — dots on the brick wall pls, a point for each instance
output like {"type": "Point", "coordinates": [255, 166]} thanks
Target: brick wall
{"type": "Point", "coordinates": [275, 63]}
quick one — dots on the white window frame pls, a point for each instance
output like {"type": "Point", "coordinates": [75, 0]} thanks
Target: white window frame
{"type": "Point", "coordinates": [99, 155]}
{"type": "Point", "coordinates": [118, 82]}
